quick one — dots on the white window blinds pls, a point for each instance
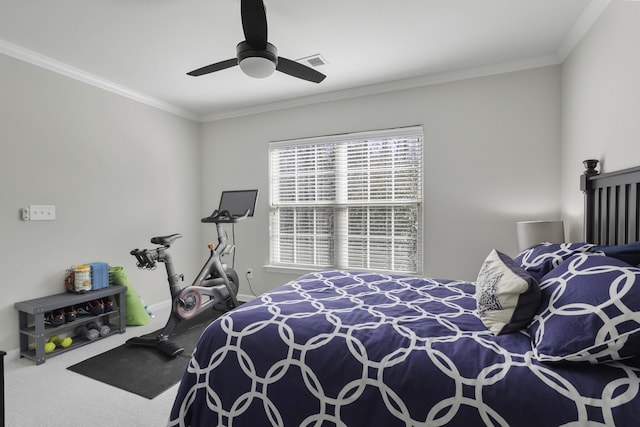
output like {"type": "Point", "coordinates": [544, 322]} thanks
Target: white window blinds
{"type": "Point", "coordinates": [350, 201]}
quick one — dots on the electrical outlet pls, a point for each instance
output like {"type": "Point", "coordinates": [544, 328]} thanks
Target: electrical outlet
{"type": "Point", "coordinates": [249, 273]}
{"type": "Point", "coordinates": [42, 212]}
{"type": "Point", "coordinates": [25, 214]}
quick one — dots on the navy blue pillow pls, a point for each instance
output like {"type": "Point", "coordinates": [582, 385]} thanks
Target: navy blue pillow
{"type": "Point", "coordinates": [589, 312]}
{"type": "Point", "coordinates": [540, 259]}
{"type": "Point", "coordinates": [629, 253]}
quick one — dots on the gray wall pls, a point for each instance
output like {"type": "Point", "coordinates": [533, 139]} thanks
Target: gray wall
{"type": "Point", "coordinates": [601, 103]}
{"type": "Point", "coordinates": [118, 172]}
{"type": "Point", "coordinates": [492, 149]}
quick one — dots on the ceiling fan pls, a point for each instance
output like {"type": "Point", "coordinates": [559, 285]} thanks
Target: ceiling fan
{"type": "Point", "coordinates": [255, 56]}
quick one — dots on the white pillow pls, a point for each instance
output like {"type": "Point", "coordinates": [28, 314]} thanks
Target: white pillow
{"type": "Point", "coordinates": [507, 296]}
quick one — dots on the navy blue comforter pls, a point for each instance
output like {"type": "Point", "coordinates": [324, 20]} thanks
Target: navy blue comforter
{"type": "Point", "coordinates": [362, 349]}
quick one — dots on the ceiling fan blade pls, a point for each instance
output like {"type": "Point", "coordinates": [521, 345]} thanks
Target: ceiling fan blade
{"type": "Point", "coordinates": [214, 67]}
{"type": "Point", "coordinates": [254, 23]}
{"type": "Point", "coordinates": [298, 70]}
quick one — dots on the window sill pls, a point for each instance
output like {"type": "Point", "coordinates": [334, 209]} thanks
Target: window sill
{"type": "Point", "coordinates": [294, 271]}
{"type": "Point", "coordinates": [299, 271]}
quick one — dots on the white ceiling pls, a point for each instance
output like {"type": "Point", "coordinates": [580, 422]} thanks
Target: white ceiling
{"type": "Point", "coordinates": [143, 48]}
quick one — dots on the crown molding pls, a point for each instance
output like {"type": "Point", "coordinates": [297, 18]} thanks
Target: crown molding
{"type": "Point", "coordinates": [391, 86]}
{"type": "Point", "coordinates": [34, 58]}
{"type": "Point", "coordinates": [590, 15]}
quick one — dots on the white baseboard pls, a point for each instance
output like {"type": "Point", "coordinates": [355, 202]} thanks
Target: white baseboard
{"type": "Point", "coordinates": [245, 297]}
{"type": "Point", "coordinates": [166, 304]}
{"type": "Point", "coordinates": [162, 305]}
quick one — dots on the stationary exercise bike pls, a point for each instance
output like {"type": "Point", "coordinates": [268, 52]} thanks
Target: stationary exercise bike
{"type": "Point", "coordinates": [215, 287]}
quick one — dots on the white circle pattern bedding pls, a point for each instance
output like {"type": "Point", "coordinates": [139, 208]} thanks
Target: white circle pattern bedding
{"type": "Point", "coordinates": [339, 348]}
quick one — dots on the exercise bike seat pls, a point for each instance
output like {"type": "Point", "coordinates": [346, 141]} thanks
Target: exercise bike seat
{"type": "Point", "coordinates": [165, 240]}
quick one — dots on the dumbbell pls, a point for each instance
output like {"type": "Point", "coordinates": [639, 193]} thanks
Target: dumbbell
{"type": "Point", "coordinates": [103, 330]}
{"type": "Point", "coordinates": [56, 341]}
{"type": "Point", "coordinates": [49, 347]}
{"type": "Point", "coordinates": [61, 342]}
{"type": "Point", "coordinates": [89, 333]}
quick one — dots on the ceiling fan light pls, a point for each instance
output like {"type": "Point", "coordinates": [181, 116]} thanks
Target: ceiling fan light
{"type": "Point", "coordinates": [257, 67]}
{"type": "Point", "coordinates": [257, 63]}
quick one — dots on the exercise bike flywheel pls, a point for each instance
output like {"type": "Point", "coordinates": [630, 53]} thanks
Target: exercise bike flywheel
{"type": "Point", "coordinates": [188, 303]}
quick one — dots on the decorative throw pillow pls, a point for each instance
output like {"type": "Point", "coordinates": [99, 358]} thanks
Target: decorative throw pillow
{"type": "Point", "coordinates": [540, 259]}
{"type": "Point", "coordinates": [590, 311]}
{"type": "Point", "coordinates": [506, 295]}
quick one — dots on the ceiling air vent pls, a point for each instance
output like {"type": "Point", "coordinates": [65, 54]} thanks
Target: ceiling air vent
{"type": "Point", "coordinates": [313, 60]}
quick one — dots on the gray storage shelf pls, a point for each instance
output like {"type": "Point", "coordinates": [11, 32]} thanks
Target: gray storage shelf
{"type": "Point", "coordinates": [32, 324]}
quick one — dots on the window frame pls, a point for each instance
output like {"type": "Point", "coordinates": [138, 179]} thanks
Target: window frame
{"type": "Point", "coordinates": [416, 203]}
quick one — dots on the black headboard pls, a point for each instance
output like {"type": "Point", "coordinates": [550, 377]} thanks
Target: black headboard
{"type": "Point", "coordinates": [611, 205]}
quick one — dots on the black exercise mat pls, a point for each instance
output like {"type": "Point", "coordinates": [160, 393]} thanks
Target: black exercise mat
{"type": "Point", "coordinates": [146, 371]}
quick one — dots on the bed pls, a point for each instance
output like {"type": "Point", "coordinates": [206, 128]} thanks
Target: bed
{"type": "Point", "coordinates": [547, 338]}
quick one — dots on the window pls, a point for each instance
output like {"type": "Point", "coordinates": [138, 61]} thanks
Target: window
{"type": "Point", "coordinates": [351, 201]}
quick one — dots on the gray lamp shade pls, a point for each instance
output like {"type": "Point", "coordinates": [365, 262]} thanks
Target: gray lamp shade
{"type": "Point", "coordinates": [533, 232]}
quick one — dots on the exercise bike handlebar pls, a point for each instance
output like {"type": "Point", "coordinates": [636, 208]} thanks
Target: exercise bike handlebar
{"type": "Point", "coordinates": [147, 258]}
{"type": "Point", "coordinates": [224, 217]}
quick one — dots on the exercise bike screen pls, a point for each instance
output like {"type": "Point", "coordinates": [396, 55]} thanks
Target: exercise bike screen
{"type": "Point", "coordinates": [237, 202]}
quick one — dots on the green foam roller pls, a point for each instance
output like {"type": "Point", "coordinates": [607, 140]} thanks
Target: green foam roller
{"type": "Point", "coordinates": [136, 313]}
